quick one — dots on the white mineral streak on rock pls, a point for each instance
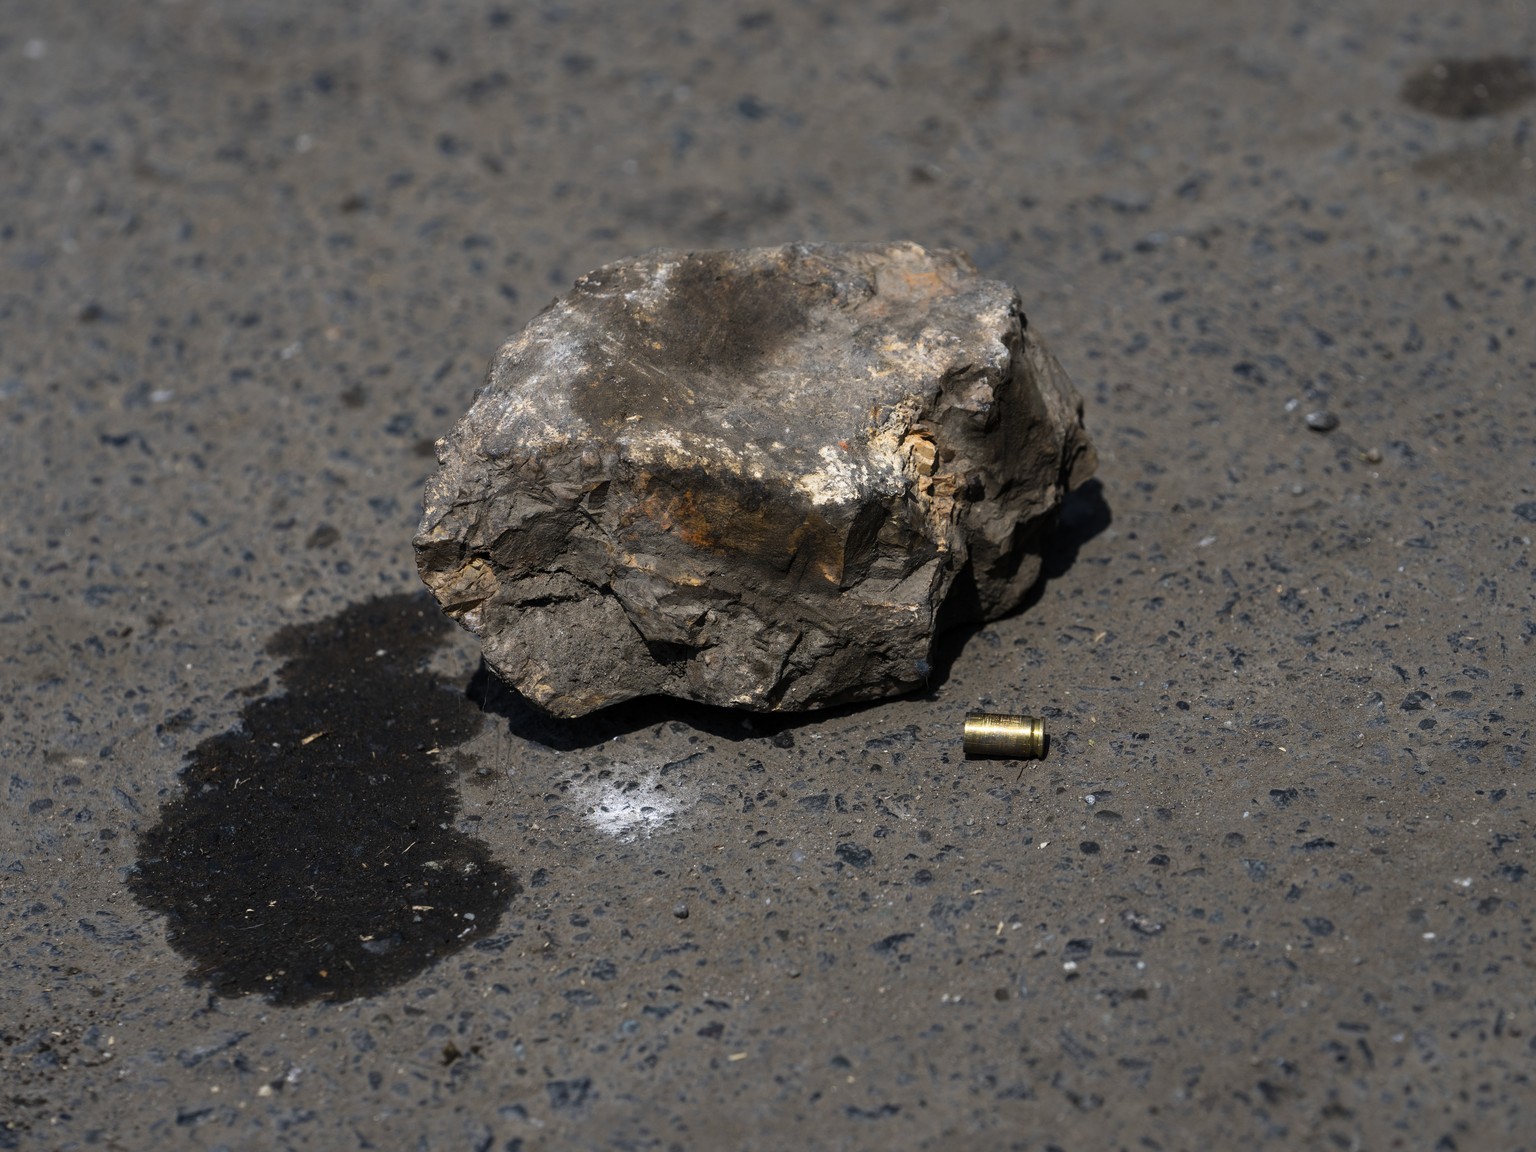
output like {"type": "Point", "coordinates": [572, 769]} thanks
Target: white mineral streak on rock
{"type": "Point", "coordinates": [654, 287]}
{"type": "Point", "coordinates": [842, 479]}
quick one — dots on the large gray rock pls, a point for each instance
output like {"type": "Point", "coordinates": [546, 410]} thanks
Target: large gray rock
{"type": "Point", "coordinates": [751, 477]}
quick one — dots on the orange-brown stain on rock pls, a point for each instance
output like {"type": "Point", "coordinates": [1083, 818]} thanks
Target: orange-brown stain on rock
{"type": "Point", "coordinates": [712, 518]}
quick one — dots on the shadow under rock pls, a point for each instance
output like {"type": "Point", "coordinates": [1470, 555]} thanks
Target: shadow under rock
{"type": "Point", "coordinates": [529, 721]}
{"type": "Point", "coordinates": [1084, 514]}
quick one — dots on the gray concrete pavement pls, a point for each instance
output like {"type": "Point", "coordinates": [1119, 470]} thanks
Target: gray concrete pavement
{"type": "Point", "coordinates": [1271, 886]}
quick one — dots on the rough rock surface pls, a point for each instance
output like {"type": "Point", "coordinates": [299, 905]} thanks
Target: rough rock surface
{"type": "Point", "coordinates": [751, 478]}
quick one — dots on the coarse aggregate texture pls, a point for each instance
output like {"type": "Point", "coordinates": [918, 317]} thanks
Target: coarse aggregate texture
{"type": "Point", "coordinates": [762, 478]}
{"type": "Point", "coordinates": [1272, 888]}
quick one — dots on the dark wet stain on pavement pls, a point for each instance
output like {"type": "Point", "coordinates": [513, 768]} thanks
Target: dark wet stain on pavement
{"type": "Point", "coordinates": [313, 852]}
{"type": "Point", "coordinates": [1466, 89]}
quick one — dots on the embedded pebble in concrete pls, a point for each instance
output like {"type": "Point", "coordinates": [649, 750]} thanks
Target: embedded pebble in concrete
{"type": "Point", "coordinates": [1463, 89]}
{"type": "Point", "coordinates": [1322, 420]}
{"type": "Point", "coordinates": [765, 478]}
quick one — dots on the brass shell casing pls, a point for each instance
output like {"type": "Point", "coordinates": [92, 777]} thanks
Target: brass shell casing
{"type": "Point", "coordinates": [1013, 737]}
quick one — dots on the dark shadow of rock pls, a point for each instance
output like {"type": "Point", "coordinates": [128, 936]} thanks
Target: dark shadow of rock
{"type": "Point", "coordinates": [530, 722]}
{"type": "Point", "coordinates": [1084, 514]}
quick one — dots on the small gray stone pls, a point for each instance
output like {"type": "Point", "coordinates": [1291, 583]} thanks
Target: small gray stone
{"type": "Point", "coordinates": [1322, 421]}
{"type": "Point", "coordinates": [751, 478]}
